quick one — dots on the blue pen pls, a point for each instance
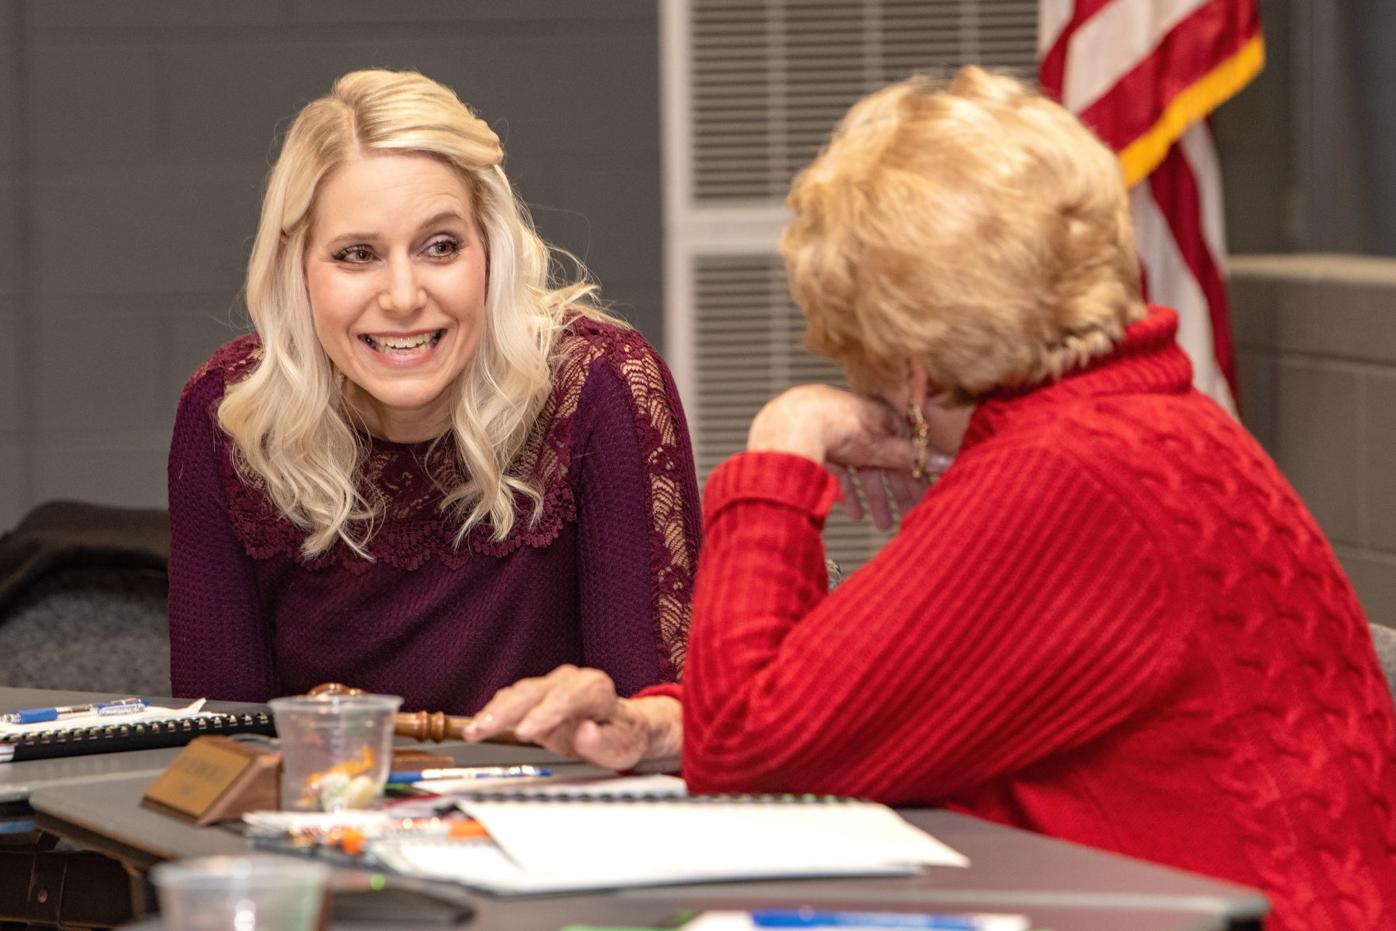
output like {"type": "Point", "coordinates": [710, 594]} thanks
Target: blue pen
{"type": "Point", "coordinates": [467, 772]}
{"type": "Point", "coordinates": [810, 918]}
{"type": "Point", "coordinates": [58, 713]}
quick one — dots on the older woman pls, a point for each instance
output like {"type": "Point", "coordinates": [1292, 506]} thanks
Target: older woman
{"type": "Point", "coordinates": [428, 473]}
{"type": "Point", "coordinates": [1111, 620]}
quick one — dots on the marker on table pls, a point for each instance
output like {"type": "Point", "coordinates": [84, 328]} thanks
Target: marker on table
{"type": "Point", "coordinates": [810, 918]}
{"type": "Point", "coordinates": [58, 713]}
{"type": "Point", "coordinates": [351, 838]}
{"type": "Point", "coordinates": [467, 772]}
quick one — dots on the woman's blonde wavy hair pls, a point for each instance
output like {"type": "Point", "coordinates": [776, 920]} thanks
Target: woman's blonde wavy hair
{"type": "Point", "coordinates": [291, 431]}
{"type": "Point", "coordinates": [975, 225]}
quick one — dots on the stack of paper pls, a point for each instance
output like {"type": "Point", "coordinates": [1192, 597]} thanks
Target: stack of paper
{"type": "Point", "coordinates": [553, 845]}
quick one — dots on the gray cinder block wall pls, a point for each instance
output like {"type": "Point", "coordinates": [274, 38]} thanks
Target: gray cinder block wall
{"type": "Point", "coordinates": [1316, 358]}
{"type": "Point", "coordinates": [134, 138]}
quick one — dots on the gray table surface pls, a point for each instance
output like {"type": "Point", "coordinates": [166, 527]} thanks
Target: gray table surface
{"type": "Point", "coordinates": [1061, 885]}
{"type": "Point", "coordinates": [94, 802]}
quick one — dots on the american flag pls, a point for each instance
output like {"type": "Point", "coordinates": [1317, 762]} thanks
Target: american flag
{"type": "Point", "coordinates": [1144, 75]}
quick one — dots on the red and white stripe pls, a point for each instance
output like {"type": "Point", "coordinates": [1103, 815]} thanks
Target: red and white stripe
{"type": "Point", "coordinates": [1144, 75]}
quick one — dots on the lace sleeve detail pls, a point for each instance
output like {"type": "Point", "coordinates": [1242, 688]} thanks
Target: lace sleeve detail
{"type": "Point", "coordinates": [234, 360]}
{"type": "Point", "coordinates": [671, 483]}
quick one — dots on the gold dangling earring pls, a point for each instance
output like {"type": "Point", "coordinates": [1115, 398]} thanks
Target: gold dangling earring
{"type": "Point", "coordinates": [920, 438]}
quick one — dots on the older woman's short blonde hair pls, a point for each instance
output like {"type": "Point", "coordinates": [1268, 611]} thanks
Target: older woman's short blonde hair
{"type": "Point", "coordinates": [976, 226]}
{"type": "Point", "coordinates": [291, 431]}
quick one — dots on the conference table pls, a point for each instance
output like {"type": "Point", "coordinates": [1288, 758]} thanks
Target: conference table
{"type": "Point", "coordinates": [93, 803]}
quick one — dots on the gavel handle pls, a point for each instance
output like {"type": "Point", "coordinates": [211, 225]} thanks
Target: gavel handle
{"type": "Point", "coordinates": [423, 725]}
{"type": "Point", "coordinates": [438, 726]}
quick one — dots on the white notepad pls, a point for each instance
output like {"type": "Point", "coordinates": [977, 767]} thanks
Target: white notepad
{"type": "Point", "coordinates": [562, 845]}
{"type": "Point", "coordinates": [77, 722]}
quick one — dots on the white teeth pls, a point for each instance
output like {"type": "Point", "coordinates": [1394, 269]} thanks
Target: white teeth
{"type": "Point", "coordinates": [403, 343]}
{"type": "Point", "coordinates": [396, 342]}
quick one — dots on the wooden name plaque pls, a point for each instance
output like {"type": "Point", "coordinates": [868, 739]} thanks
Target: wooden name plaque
{"type": "Point", "coordinates": [217, 778]}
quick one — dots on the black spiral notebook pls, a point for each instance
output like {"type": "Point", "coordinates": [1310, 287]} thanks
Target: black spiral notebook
{"type": "Point", "coordinates": [144, 734]}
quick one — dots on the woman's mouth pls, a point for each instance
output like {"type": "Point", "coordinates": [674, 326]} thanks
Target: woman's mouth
{"type": "Point", "coordinates": [403, 345]}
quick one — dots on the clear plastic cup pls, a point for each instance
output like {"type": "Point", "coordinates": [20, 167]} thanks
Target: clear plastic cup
{"type": "Point", "coordinates": [335, 750]}
{"type": "Point", "coordinates": [258, 892]}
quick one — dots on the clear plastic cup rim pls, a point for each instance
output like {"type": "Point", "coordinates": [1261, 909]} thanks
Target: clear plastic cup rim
{"type": "Point", "coordinates": [335, 704]}
{"type": "Point", "coordinates": [253, 871]}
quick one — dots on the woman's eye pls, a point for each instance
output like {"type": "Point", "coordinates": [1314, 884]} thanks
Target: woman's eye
{"type": "Point", "coordinates": [442, 248]}
{"type": "Point", "coordinates": [354, 255]}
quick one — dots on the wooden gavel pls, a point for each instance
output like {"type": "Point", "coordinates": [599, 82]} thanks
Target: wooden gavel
{"type": "Point", "coordinates": [422, 725]}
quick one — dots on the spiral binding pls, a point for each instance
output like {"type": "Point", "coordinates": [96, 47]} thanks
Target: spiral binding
{"type": "Point", "coordinates": [141, 735]}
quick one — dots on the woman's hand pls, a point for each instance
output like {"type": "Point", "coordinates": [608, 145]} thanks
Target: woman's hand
{"type": "Point", "coordinates": [576, 712]}
{"type": "Point", "coordinates": [824, 423]}
{"type": "Point", "coordinates": [881, 489]}
{"type": "Point", "coordinates": [848, 434]}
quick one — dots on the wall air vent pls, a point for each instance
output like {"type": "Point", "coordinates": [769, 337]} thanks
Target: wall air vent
{"type": "Point", "coordinates": [751, 91]}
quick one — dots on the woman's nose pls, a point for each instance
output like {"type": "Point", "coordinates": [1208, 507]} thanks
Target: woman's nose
{"type": "Point", "coordinates": [403, 292]}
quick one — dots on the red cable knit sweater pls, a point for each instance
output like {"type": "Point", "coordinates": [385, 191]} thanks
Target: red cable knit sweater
{"type": "Point", "coordinates": [1111, 621]}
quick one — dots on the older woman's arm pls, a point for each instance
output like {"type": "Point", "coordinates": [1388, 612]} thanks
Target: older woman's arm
{"type": "Point", "coordinates": [1017, 614]}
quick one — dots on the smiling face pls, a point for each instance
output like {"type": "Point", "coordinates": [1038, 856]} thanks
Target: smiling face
{"type": "Point", "coordinates": [395, 266]}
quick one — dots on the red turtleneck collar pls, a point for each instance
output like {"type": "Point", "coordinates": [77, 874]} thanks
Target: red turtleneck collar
{"type": "Point", "coordinates": [1148, 359]}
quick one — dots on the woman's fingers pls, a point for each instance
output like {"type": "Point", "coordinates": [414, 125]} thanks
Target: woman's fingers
{"type": "Point", "coordinates": [875, 491]}
{"type": "Point", "coordinates": [558, 739]}
{"type": "Point", "coordinates": [539, 705]}
{"type": "Point", "coordinates": [506, 708]}
{"type": "Point", "coordinates": [579, 695]}
{"type": "Point", "coordinates": [618, 744]}
{"type": "Point", "coordinates": [885, 495]}
{"type": "Point", "coordinates": [892, 453]}
{"type": "Point", "coordinates": [615, 741]}
{"type": "Point", "coordinates": [849, 498]}
{"type": "Point", "coordinates": [906, 491]}
{"type": "Point", "coordinates": [641, 728]}
{"type": "Point", "coordinates": [858, 448]}
{"type": "Point", "coordinates": [863, 443]}
{"type": "Point", "coordinates": [576, 712]}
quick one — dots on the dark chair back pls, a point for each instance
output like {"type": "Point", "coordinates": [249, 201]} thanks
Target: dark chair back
{"type": "Point", "coordinates": [83, 594]}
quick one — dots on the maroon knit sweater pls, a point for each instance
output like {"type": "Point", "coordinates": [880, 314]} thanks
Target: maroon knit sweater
{"type": "Point", "coordinates": [603, 578]}
{"type": "Point", "coordinates": [1111, 621]}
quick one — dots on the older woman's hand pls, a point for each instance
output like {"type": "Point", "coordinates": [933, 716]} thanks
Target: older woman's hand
{"type": "Point", "coordinates": [576, 712]}
{"type": "Point", "coordinates": [825, 423]}
{"type": "Point", "coordinates": [880, 489]}
{"type": "Point", "coordinates": [846, 433]}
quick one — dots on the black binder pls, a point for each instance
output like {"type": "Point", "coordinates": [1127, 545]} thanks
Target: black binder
{"type": "Point", "coordinates": [137, 735]}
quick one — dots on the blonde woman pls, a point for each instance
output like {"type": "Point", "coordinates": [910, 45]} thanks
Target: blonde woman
{"type": "Point", "coordinates": [1111, 620]}
{"type": "Point", "coordinates": [428, 472]}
